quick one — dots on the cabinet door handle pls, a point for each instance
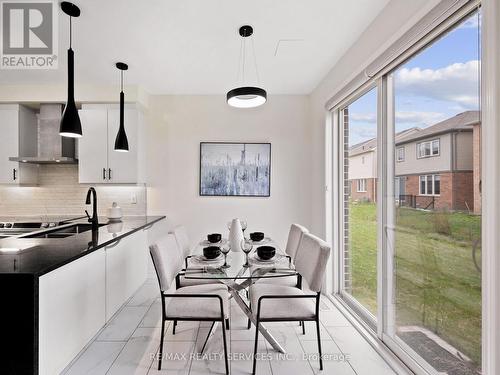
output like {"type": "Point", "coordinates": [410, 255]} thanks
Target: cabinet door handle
{"type": "Point", "coordinates": [14, 171]}
{"type": "Point", "coordinates": [109, 173]}
{"type": "Point", "coordinates": [104, 173]}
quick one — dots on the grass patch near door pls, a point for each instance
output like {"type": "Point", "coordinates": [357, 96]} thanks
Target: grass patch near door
{"type": "Point", "coordinates": [438, 286]}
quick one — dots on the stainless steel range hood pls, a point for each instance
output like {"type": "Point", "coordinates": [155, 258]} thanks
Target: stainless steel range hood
{"type": "Point", "coordinates": [51, 147]}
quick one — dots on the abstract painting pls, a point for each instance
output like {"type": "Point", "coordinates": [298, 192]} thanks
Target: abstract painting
{"type": "Point", "coordinates": [235, 169]}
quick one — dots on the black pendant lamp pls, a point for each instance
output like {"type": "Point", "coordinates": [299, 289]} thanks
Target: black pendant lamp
{"type": "Point", "coordinates": [70, 122]}
{"type": "Point", "coordinates": [121, 141]}
{"type": "Point", "coordinates": [246, 96]}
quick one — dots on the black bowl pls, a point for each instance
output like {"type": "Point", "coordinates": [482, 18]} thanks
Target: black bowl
{"type": "Point", "coordinates": [211, 252]}
{"type": "Point", "coordinates": [214, 237]}
{"type": "Point", "coordinates": [266, 252]}
{"type": "Point", "coordinates": [257, 236]}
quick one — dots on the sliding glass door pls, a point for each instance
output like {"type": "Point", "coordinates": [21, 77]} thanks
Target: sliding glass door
{"type": "Point", "coordinates": [409, 197]}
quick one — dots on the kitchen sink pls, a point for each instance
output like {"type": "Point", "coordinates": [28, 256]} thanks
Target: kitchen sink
{"type": "Point", "coordinates": [61, 231]}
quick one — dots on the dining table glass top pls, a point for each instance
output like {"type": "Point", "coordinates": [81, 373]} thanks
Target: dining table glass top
{"type": "Point", "coordinates": [198, 267]}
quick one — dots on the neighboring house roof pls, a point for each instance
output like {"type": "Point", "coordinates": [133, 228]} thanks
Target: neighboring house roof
{"type": "Point", "coordinates": [461, 122]}
{"type": "Point", "coordinates": [371, 144]}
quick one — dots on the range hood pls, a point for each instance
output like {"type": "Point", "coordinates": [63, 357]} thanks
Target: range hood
{"type": "Point", "coordinates": [45, 145]}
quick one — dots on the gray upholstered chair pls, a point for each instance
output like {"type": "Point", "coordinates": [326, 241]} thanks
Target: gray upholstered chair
{"type": "Point", "coordinates": [276, 303]}
{"type": "Point", "coordinates": [207, 302]}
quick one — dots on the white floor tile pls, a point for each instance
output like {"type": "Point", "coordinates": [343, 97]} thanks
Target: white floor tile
{"type": "Point", "coordinates": [176, 358]}
{"type": "Point", "coordinates": [138, 354]}
{"type": "Point", "coordinates": [241, 361]}
{"type": "Point", "coordinates": [153, 316]}
{"type": "Point", "coordinates": [96, 359]}
{"type": "Point", "coordinates": [121, 327]}
{"type": "Point", "coordinates": [334, 361]}
{"type": "Point", "coordinates": [363, 358]}
{"type": "Point", "coordinates": [145, 296]}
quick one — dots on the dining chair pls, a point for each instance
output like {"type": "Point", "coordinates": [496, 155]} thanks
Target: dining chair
{"type": "Point", "coordinates": [292, 247]}
{"type": "Point", "coordinates": [208, 302]}
{"type": "Point", "coordinates": [278, 303]}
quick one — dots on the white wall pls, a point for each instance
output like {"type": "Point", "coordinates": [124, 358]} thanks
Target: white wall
{"type": "Point", "coordinates": [396, 18]}
{"type": "Point", "coordinates": [177, 125]}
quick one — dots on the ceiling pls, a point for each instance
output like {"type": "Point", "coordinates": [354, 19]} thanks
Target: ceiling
{"type": "Point", "coordinates": [193, 46]}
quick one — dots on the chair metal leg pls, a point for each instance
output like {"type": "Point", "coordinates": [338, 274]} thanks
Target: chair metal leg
{"type": "Point", "coordinates": [161, 342]}
{"type": "Point", "coordinates": [319, 344]}
{"type": "Point", "coordinates": [208, 336]}
{"type": "Point", "coordinates": [255, 345]}
{"type": "Point", "coordinates": [249, 324]}
{"type": "Point", "coordinates": [227, 324]}
{"type": "Point", "coordinates": [303, 328]}
{"type": "Point", "coordinates": [225, 347]}
{"type": "Point", "coordinates": [173, 327]}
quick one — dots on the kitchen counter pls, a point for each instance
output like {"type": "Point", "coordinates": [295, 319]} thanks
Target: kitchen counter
{"type": "Point", "coordinates": [57, 293]}
{"type": "Point", "coordinates": [38, 256]}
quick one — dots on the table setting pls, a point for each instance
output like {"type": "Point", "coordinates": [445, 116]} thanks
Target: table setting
{"type": "Point", "coordinates": [238, 261]}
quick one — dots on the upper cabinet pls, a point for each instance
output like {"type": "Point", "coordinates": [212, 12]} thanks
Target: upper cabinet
{"type": "Point", "coordinates": [98, 162]}
{"type": "Point", "coordinates": [17, 123]}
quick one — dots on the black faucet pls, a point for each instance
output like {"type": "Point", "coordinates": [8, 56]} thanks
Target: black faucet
{"type": "Point", "coordinates": [93, 219]}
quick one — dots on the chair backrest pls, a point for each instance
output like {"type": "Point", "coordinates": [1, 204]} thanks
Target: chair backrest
{"type": "Point", "coordinates": [166, 260]}
{"type": "Point", "coordinates": [294, 237]}
{"type": "Point", "coordinates": [182, 239]}
{"type": "Point", "coordinates": [311, 260]}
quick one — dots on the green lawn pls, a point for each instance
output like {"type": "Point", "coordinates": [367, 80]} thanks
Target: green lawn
{"type": "Point", "coordinates": [437, 284]}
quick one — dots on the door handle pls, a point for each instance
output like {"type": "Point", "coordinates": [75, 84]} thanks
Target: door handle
{"type": "Point", "coordinates": [14, 177]}
{"type": "Point", "coordinates": [104, 173]}
{"type": "Point", "coordinates": [109, 173]}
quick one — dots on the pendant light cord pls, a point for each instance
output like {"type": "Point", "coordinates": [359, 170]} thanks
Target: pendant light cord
{"type": "Point", "coordinates": [70, 31]}
{"type": "Point", "coordinates": [255, 62]}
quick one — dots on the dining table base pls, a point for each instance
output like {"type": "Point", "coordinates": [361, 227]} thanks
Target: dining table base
{"type": "Point", "coordinates": [234, 289]}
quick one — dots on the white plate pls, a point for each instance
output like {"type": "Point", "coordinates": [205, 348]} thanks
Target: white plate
{"type": "Point", "coordinates": [202, 259]}
{"type": "Point", "coordinates": [262, 242]}
{"type": "Point", "coordinates": [255, 258]}
{"type": "Point", "coordinates": [208, 243]}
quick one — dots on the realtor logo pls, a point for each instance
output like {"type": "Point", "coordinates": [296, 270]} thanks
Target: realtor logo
{"type": "Point", "coordinates": [29, 34]}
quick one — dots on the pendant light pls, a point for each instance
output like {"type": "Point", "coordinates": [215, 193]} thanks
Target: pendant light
{"type": "Point", "coordinates": [246, 96]}
{"type": "Point", "coordinates": [70, 122]}
{"type": "Point", "coordinates": [121, 141]}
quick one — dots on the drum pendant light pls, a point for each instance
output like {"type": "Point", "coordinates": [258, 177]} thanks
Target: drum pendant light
{"type": "Point", "coordinates": [246, 96]}
{"type": "Point", "coordinates": [70, 122]}
{"type": "Point", "coordinates": [121, 141]}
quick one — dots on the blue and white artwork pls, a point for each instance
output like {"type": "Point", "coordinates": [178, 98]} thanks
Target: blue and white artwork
{"type": "Point", "coordinates": [235, 169]}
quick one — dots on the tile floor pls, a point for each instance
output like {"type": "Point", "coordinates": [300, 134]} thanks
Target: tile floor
{"type": "Point", "coordinates": [128, 344]}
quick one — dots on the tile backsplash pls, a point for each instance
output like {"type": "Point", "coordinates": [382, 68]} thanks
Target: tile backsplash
{"type": "Point", "coordinates": [59, 193]}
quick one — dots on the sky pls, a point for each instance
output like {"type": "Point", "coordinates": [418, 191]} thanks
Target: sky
{"type": "Point", "coordinates": [439, 82]}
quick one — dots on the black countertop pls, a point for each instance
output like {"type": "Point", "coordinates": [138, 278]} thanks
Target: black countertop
{"type": "Point", "coordinates": [38, 256]}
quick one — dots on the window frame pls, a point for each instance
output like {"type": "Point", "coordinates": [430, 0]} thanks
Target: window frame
{"type": "Point", "coordinates": [426, 182]}
{"type": "Point", "coordinates": [398, 149]}
{"type": "Point", "coordinates": [361, 185]}
{"type": "Point", "coordinates": [430, 142]}
{"type": "Point", "coordinates": [380, 327]}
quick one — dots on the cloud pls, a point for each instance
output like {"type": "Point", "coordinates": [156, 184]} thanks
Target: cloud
{"type": "Point", "coordinates": [363, 117]}
{"type": "Point", "coordinates": [418, 118]}
{"type": "Point", "coordinates": [458, 83]}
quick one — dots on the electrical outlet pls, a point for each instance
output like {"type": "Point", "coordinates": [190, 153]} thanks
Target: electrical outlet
{"type": "Point", "coordinates": [133, 199]}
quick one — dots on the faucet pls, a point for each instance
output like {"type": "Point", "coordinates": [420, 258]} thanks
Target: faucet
{"type": "Point", "coordinates": [93, 219]}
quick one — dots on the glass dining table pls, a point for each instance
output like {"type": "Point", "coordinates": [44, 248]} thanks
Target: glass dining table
{"type": "Point", "coordinates": [238, 275]}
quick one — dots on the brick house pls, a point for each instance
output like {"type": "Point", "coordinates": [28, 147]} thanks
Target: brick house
{"type": "Point", "coordinates": [363, 168]}
{"type": "Point", "coordinates": [439, 166]}
{"type": "Point", "coordinates": [436, 167]}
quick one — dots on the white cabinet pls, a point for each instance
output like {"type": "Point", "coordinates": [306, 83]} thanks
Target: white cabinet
{"type": "Point", "coordinates": [126, 270]}
{"type": "Point", "coordinates": [98, 162]}
{"type": "Point", "coordinates": [17, 123]}
{"type": "Point", "coordinates": [76, 300]}
{"type": "Point", "coordinates": [71, 310]}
